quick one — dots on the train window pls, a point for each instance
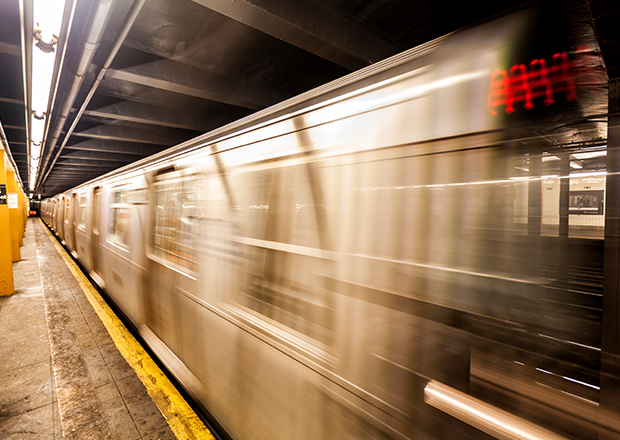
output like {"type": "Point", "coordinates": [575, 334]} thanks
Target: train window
{"type": "Point", "coordinates": [96, 210]}
{"type": "Point", "coordinates": [176, 223]}
{"type": "Point", "coordinates": [119, 218]}
{"type": "Point", "coordinates": [277, 205]}
{"type": "Point", "coordinates": [82, 212]}
{"type": "Point", "coordinates": [67, 209]}
{"type": "Point", "coordinates": [285, 277]}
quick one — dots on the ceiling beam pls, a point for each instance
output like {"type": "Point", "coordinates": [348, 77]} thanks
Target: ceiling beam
{"type": "Point", "coordinates": [111, 146]}
{"type": "Point", "coordinates": [62, 179]}
{"type": "Point", "coordinates": [146, 95]}
{"type": "Point", "coordinates": [67, 165]}
{"type": "Point", "coordinates": [11, 101]}
{"type": "Point", "coordinates": [92, 162]}
{"type": "Point", "coordinates": [104, 157]}
{"type": "Point", "coordinates": [188, 80]}
{"type": "Point", "coordinates": [10, 49]}
{"type": "Point", "coordinates": [15, 127]}
{"type": "Point", "coordinates": [71, 172]}
{"type": "Point", "coordinates": [166, 137]}
{"type": "Point", "coordinates": [128, 111]}
{"type": "Point", "coordinates": [310, 26]}
{"type": "Point", "coordinates": [89, 163]}
{"type": "Point", "coordinates": [66, 173]}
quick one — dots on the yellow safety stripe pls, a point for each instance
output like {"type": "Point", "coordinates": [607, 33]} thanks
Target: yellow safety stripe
{"type": "Point", "coordinates": [181, 418]}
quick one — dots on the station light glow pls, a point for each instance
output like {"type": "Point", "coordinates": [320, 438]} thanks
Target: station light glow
{"type": "Point", "coordinates": [47, 17]}
{"type": "Point", "coordinates": [590, 155]}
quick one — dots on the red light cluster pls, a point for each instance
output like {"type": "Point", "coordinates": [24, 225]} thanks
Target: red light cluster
{"type": "Point", "coordinates": [522, 84]}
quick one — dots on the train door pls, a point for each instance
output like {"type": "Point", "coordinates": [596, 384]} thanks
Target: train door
{"type": "Point", "coordinates": [73, 224]}
{"type": "Point", "coordinates": [95, 242]}
{"type": "Point", "coordinates": [61, 218]}
{"type": "Point", "coordinates": [172, 256]}
{"type": "Point", "coordinates": [57, 215]}
{"type": "Point", "coordinates": [60, 206]}
{"type": "Point", "coordinates": [54, 212]}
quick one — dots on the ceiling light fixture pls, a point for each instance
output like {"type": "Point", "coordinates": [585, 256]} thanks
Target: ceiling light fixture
{"type": "Point", "coordinates": [47, 17]}
{"type": "Point", "coordinates": [590, 155]}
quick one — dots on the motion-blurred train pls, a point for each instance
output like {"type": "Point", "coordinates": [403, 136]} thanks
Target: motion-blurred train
{"type": "Point", "coordinates": [413, 251]}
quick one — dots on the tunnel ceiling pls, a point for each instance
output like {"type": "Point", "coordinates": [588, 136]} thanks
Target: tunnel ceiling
{"type": "Point", "coordinates": [189, 66]}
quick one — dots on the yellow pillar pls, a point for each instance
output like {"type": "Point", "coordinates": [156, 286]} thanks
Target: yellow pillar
{"type": "Point", "coordinates": [26, 205]}
{"type": "Point", "coordinates": [22, 210]}
{"type": "Point", "coordinates": [22, 218]}
{"type": "Point", "coordinates": [20, 214]}
{"type": "Point", "coordinates": [6, 260]}
{"type": "Point", "coordinates": [14, 214]}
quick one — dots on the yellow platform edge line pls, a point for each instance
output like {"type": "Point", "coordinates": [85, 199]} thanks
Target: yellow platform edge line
{"type": "Point", "coordinates": [181, 418]}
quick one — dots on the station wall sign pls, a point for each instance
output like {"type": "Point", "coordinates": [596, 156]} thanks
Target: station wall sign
{"type": "Point", "coordinates": [13, 200]}
{"type": "Point", "coordinates": [586, 202]}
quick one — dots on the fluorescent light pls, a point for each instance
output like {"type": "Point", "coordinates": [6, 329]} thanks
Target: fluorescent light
{"type": "Point", "coordinates": [36, 130]}
{"type": "Point", "coordinates": [549, 158]}
{"type": "Point", "coordinates": [47, 16]}
{"type": "Point", "coordinates": [42, 71]}
{"type": "Point", "coordinates": [590, 155]}
{"type": "Point", "coordinates": [35, 151]}
{"type": "Point", "coordinates": [575, 165]}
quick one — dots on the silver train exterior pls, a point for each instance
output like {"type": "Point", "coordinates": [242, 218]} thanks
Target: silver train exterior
{"type": "Point", "coordinates": [383, 257]}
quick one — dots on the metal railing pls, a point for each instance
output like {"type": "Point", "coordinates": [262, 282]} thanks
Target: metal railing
{"type": "Point", "coordinates": [494, 421]}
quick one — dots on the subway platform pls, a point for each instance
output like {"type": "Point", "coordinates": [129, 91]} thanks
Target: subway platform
{"type": "Point", "coordinates": [69, 368]}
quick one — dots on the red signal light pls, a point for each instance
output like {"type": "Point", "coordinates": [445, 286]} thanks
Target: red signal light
{"type": "Point", "coordinates": [522, 84]}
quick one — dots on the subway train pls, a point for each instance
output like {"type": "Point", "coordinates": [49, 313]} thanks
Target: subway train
{"type": "Point", "coordinates": [413, 251]}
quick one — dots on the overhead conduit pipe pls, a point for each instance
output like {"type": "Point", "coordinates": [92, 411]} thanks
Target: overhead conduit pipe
{"type": "Point", "coordinates": [92, 35]}
{"type": "Point", "coordinates": [132, 15]}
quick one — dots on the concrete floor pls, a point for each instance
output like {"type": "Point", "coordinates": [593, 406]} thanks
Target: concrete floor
{"type": "Point", "coordinates": [61, 376]}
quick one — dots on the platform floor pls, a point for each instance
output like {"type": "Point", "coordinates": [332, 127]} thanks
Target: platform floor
{"type": "Point", "coordinates": [61, 374]}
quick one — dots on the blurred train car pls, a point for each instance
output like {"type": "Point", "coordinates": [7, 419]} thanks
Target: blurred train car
{"type": "Point", "coordinates": [412, 251]}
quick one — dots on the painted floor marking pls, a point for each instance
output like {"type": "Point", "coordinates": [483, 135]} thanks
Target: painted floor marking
{"type": "Point", "coordinates": [181, 418]}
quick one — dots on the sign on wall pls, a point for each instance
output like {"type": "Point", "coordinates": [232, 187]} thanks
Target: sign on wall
{"type": "Point", "coordinates": [13, 202]}
{"type": "Point", "coordinates": [586, 202]}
